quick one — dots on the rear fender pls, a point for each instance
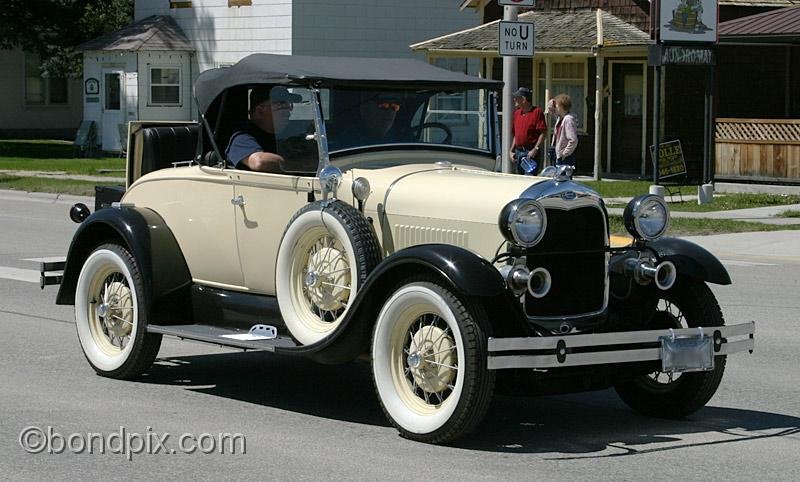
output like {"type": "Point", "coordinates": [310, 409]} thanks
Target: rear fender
{"type": "Point", "coordinates": [145, 234]}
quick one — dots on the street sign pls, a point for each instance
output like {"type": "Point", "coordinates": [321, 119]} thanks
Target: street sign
{"type": "Point", "coordinates": [516, 39]}
{"type": "Point", "coordinates": [517, 3]}
{"type": "Point", "coordinates": [688, 21]}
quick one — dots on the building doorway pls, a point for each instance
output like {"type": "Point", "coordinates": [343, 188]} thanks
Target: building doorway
{"type": "Point", "coordinates": [627, 117]}
{"type": "Point", "coordinates": [113, 109]}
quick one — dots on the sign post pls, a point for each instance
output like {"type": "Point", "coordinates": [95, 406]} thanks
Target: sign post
{"type": "Point", "coordinates": [686, 31]}
{"type": "Point", "coordinates": [515, 39]}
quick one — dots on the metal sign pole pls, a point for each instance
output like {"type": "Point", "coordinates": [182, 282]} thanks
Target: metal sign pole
{"type": "Point", "coordinates": [510, 85]}
{"type": "Point", "coordinates": [656, 123]}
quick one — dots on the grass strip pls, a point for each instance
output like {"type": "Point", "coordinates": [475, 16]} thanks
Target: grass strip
{"type": "Point", "coordinates": [42, 184]}
{"type": "Point", "coordinates": [789, 214]}
{"type": "Point", "coordinates": [54, 156]}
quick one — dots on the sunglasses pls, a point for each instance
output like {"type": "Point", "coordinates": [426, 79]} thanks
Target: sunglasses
{"type": "Point", "coordinates": [282, 105]}
{"type": "Point", "coordinates": [395, 106]}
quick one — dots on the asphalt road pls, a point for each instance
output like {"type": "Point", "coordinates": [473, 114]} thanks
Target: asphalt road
{"type": "Point", "coordinates": [305, 421]}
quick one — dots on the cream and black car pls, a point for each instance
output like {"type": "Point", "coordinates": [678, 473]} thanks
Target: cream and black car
{"type": "Point", "coordinates": [389, 237]}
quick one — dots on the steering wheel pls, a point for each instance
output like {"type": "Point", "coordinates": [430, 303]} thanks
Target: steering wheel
{"type": "Point", "coordinates": [416, 131]}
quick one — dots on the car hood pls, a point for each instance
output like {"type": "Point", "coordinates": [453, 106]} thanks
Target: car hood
{"type": "Point", "coordinates": [457, 193]}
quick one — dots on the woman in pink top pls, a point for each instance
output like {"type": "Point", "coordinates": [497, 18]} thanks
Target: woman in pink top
{"type": "Point", "coordinates": [565, 134]}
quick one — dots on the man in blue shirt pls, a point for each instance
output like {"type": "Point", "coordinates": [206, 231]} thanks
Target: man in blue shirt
{"type": "Point", "coordinates": [254, 147]}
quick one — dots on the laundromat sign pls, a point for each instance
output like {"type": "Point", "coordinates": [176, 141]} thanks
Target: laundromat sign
{"type": "Point", "coordinates": [680, 55]}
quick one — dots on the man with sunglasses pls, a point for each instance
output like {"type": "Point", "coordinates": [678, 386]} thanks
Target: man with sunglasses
{"type": "Point", "coordinates": [254, 147]}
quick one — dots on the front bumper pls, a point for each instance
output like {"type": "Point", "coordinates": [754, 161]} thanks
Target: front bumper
{"type": "Point", "coordinates": [606, 348]}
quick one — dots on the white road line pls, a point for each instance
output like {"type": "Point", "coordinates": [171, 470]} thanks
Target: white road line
{"type": "Point", "coordinates": [16, 274]}
{"type": "Point", "coordinates": [51, 259]}
{"type": "Point", "coordinates": [736, 262]}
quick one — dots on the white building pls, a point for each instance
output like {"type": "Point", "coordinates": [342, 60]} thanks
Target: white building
{"type": "Point", "coordinates": [146, 71]}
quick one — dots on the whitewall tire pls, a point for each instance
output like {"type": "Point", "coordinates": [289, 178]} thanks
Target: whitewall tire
{"type": "Point", "coordinates": [429, 353]}
{"type": "Point", "coordinates": [110, 314]}
{"type": "Point", "coordinates": [326, 253]}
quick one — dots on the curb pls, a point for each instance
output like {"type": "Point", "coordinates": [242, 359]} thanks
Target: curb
{"type": "Point", "coordinates": [44, 197]}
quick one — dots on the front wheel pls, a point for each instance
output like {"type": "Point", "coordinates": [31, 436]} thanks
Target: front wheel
{"type": "Point", "coordinates": [110, 312]}
{"type": "Point", "coordinates": [429, 359]}
{"type": "Point", "coordinates": [688, 304]}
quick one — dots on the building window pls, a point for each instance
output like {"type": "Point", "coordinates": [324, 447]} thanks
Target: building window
{"type": "Point", "coordinates": [165, 86]}
{"type": "Point", "coordinates": [40, 90]}
{"type": "Point", "coordinates": [568, 78]}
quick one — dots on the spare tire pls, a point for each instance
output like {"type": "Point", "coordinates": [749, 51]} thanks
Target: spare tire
{"type": "Point", "coordinates": [327, 251]}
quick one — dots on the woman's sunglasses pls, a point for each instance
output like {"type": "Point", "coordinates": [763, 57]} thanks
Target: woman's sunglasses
{"type": "Point", "coordinates": [395, 106]}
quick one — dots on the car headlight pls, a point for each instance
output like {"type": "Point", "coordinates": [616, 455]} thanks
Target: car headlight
{"type": "Point", "coordinates": [646, 217]}
{"type": "Point", "coordinates": [523, 222]}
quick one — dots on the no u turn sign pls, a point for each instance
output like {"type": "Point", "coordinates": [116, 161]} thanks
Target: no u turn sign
{"type": "Point", "coordinates": [516, 39]}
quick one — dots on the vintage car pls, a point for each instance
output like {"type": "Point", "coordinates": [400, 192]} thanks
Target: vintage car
{"type": "Point", "coordinates": [396, 243]}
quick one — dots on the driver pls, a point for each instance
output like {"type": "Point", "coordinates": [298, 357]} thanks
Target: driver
{"type": "Point", "coordinates": [254, 147]}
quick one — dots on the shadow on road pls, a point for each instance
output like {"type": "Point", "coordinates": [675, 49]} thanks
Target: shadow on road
{"type": "Point", "coordinates": [585, 425]}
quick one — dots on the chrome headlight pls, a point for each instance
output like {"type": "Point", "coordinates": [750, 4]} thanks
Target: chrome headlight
{"type": "Point", "coordinates": [523, 222]}
{"type": "Point", "coordinates": [646, 217]}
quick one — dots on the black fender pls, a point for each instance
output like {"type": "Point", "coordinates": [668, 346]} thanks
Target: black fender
{"type": "Point", "coordinates": [464, 271]}
{"type": "Point", "coordinates": [148, 238]}
{"type": "Point", "coordinates": [690, 260]}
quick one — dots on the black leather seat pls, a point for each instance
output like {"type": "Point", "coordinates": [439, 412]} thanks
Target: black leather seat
{"type": "Point", "coordinates": [162, 146]}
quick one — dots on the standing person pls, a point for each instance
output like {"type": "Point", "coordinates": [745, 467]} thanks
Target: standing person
{"type": "Point", "coordinates": [254, 147]}
{"type": "Point", "coordinates": [527, 129]}
{"type": "Point", "coordinates": [565, 135]}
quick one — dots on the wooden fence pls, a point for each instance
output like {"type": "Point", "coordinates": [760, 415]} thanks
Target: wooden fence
{"type": "Point", "coordinates": [758, 149]}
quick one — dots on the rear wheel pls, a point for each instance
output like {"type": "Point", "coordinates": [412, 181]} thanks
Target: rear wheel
{"type": "Point", "coordinates": [110, 313]}
{"type": "Point", "coordinates": [688, 304]}
{"type": "Point", "coordinates": [429, 356]}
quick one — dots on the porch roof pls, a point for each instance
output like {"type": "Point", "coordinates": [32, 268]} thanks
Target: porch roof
{"type": "Point", "coordinates": [784, 22]}
{"type": "Point", "coordinates": [555, 31]}
{"type": "Point", "coordinates": [157, 32]}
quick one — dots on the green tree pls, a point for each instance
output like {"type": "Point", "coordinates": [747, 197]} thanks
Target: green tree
{"type": "Point", "coordinates": [53, 28]}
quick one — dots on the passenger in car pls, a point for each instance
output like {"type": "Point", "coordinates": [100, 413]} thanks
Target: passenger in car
{"type": "Point", "coordinates": [254, 147]}
{"type": "Point", "coordinates": [376, 115]}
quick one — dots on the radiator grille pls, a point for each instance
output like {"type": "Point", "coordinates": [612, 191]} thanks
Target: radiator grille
{"type": "Point", "coordinates": [579, 280]}
{"type": "Point", "coordinates": [405, 235]}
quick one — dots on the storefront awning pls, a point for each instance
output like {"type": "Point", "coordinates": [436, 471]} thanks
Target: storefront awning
{"type": "Point", "coordinates": [783, 25]}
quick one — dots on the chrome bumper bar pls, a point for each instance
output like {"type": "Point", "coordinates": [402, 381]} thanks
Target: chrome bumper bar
{"type": "Point", "coordinates": [604, 348]}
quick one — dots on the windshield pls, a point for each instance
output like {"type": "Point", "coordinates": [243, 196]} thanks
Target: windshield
{"type": "Point", "coordinates": [356, 118]}
{"type": "Point", "coordinates": [365, 117]}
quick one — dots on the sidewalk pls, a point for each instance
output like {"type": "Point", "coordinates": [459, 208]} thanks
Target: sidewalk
{"type": "Point", "coordinates": [765, 215]}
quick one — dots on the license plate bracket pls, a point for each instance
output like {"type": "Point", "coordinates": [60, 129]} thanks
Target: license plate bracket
{"type": "Point", "coordinates": [687, 354]}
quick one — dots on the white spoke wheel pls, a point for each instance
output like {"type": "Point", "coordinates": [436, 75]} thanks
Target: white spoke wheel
{"type": "Point", "coordinates": [688, 304]}
{"type": "Point", "coordinates": [110, 313]}
{"type": "Point", "coordinates": [326, 253]}
{"type": "Point", "coordinates": [429, 358]}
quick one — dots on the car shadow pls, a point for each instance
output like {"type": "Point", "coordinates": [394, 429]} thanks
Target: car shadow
{"type": "Point", "coordinates": [584, 425]}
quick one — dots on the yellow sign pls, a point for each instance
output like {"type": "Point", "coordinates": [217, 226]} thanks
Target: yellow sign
{"type": "Point", "coordinates": [670, 159]}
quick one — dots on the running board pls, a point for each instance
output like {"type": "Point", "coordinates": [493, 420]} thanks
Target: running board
{"type": "Point", "coordinates": [222, 336]}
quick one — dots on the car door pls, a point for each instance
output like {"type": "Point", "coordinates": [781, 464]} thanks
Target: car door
{"type": "Point", "coordinates": [264, 205]}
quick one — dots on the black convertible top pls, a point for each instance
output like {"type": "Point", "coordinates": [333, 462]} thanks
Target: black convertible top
{"type": "Point", "coordinates": [328, 71]}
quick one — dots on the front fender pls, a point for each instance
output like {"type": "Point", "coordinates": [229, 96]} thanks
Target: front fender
{"type": "Point", "coordinates": [145, 234]}
{"type": "Point", "coordinates": [466, 272]}
{"type": "Point", "coordinates": [691, 260]}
